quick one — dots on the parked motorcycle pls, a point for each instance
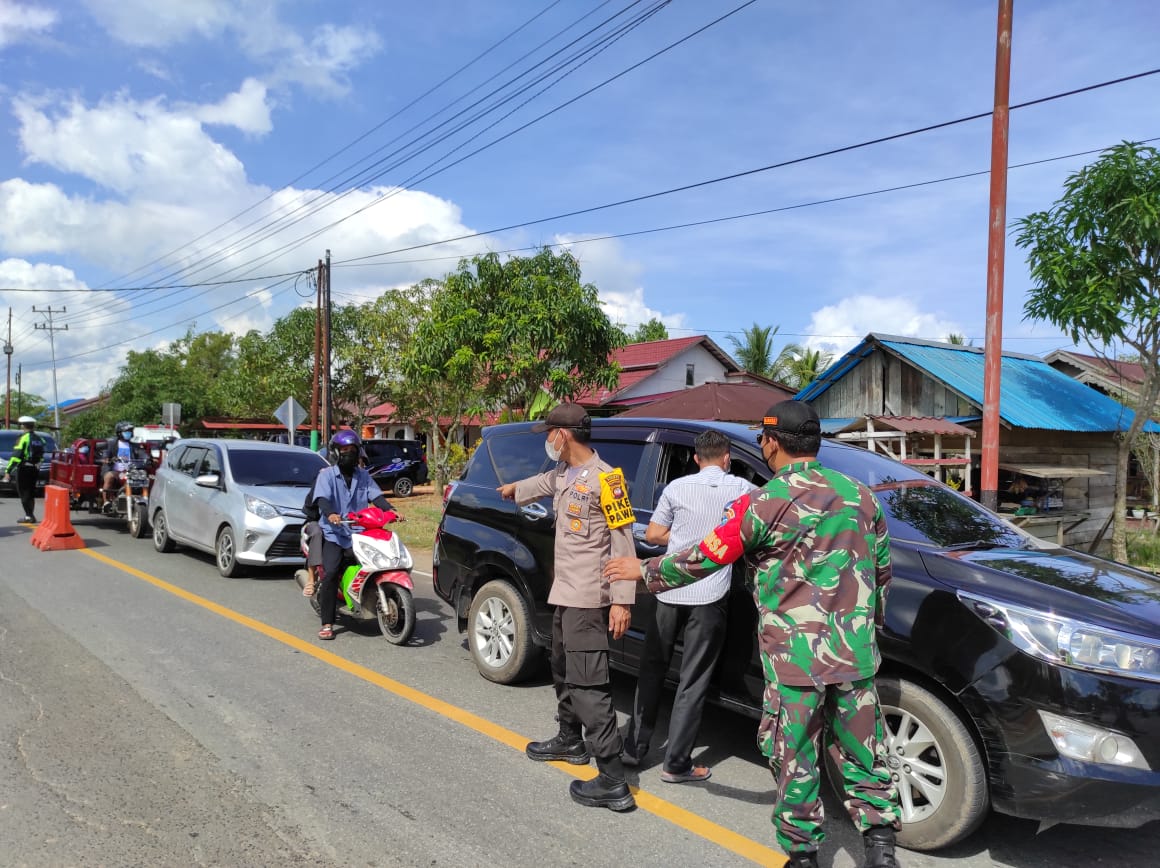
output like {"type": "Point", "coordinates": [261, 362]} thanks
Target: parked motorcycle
{"type": "Point", "coordinates": [379, 586]}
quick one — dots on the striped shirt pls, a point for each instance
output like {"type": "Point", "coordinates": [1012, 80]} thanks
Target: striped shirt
{"type": "Point", "coordinates": [690, 507]}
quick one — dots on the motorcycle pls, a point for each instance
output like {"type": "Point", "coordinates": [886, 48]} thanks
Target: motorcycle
{"type": "Point", "coordinates": [377, 587]}
{"type": "Point", "coordinates": [80, 472]}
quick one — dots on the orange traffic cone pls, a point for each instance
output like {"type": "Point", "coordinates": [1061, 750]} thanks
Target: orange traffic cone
{"type": "Point", "coordinates": [56, 531]}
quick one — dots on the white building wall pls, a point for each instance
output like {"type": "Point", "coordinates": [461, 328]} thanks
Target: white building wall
{"type": "Point", "coordinates": [671, 376]}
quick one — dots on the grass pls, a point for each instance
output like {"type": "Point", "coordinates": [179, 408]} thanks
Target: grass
{"type": "Point", "coordinates": [1144, 550]}
{"type": "Point", "coordinates": [422, 511]}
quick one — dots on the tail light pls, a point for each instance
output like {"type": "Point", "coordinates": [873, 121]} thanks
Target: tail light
{"type": "Point", "coordinates": [448, 490]}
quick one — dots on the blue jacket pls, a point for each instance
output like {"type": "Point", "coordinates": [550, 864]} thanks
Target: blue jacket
{"type": "Point", "coordinates": [343, 499]}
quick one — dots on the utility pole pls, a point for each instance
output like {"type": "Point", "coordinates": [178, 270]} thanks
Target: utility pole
{"type": "Point", "coordinates": [52, 330]}
{"type": "Point", "coordinates": [19, 393]}
{"type": "Point", "coordinates": [8, 388]}
{"type": "Point", "coordinates": [314, 414]}
{"type": "Point", "coordinates": [996, 239]}
{"type": "Point", "coordinates": [327, 420]}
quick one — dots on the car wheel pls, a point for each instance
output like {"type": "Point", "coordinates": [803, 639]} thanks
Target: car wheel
{"type": "Point", "coordinates": [161, 540]}
{"type": "Point", "coordinates": [499, 633]}
{"type": "Point", "coordinates": [226, 553]}
{"type": "Point", "coordinates": [404, 486]}
{"type": "Point", "coordinates": [942, 783]}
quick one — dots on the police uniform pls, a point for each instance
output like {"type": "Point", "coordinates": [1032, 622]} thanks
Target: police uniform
{"type": "Point", "coordinates": [25, 471]}
{"type": "Point", "coordinates": [581, 594]}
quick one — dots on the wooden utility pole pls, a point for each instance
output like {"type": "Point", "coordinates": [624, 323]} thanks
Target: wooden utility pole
{"type": "Point", "coordinates": [996, 240]}
{"type": "Point", "coordinates": [8, 388]}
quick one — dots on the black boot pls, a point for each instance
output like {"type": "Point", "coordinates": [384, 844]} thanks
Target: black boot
{"type": "Point", "coordinates": [566, 746]}
{"type": "Point", "coordinates": [603, 792]}
{"type": "Point", "coordinates": [879, 843]}
{"type": "Point", "coordinates": [803, 859]}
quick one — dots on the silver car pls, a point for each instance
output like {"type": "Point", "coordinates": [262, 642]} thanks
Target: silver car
{"type": "Point", "coordinates": [240, 500]}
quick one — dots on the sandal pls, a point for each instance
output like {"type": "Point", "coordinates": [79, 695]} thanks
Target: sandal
{"type": "Point", "coordinates": [308, 589]}
{"type": "Point", "coordinates": [327, 632]}
{"type": "Point", "coordinates": [697, 773]}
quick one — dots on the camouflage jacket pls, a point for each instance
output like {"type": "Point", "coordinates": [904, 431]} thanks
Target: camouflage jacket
{"type": "Point", "coordinates": [820, 552]}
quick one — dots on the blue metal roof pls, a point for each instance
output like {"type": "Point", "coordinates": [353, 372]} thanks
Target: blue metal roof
{"type": "Point", "coordinates": [1033, 394]}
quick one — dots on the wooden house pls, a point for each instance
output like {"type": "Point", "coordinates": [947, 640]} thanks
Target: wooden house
{"type": "Point", "coordinates": [1057, 436]}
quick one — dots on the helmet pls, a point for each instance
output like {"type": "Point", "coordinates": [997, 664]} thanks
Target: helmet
{"type": "Point", "coordinates": [26, 420]}
{"type": "Point", "coordinates": [344, 438]}
{"type": "Point", "coordinates": [123, 426]}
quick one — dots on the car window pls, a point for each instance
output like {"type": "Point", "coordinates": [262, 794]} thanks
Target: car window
{"type": "Point", "coordinates": [622, 454]}
{"type": "Point", "coordinates": [379, 453]}
{"type": "Point", "coordinates": [211, 463]}
{"type": "Point", "coordinates": [190, 460]}
{"type": "Point", "coordinates": [918, 508]}
{"type": "Point", "coordinates": [517, 456]}
{"type": "Point", "coordinates": [270, 467]}
{"type": "Point", "coordinates": [8, 440]}
{"type": "Point", "coordinates": [479, 469]}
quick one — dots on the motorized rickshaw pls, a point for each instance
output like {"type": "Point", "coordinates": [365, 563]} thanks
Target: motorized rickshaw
{"type": "Point", "coordinates": [79, 468]}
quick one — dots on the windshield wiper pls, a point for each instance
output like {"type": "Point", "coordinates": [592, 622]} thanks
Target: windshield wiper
{"type": "Point", "coordinates": [975, 544]}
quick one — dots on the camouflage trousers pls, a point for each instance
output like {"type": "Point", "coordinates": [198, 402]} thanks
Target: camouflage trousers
{"type": "Point", "coordinates": [794, 721]}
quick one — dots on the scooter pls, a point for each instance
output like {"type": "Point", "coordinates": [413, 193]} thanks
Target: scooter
{"type": "Point", "coordinates": [379, 586]}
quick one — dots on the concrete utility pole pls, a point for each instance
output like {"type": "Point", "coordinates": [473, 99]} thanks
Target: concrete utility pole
{"type": "Point", "coordinates": [8, 388]}
{"type": "Point", "coordinates": [327, 404]}
{"type": "Point", "coordinates": [996, 239]}
{"type": "Point", "coordinates": [314, 414]}
{"type": "Point", "coordinates": [51, 329]}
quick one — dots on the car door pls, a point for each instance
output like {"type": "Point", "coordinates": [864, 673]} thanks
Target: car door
{"type": "Point", "coordinates": [178, 495]}
{"type": "Point", "coordinates": [205, 510]}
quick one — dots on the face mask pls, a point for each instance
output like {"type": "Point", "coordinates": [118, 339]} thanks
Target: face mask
{"type": "Point", "coordinates": [126, 435]}
{"type": "Point", "coordinates": [347, 461]}
{"type": "Point", "coordinates": [554, 452]}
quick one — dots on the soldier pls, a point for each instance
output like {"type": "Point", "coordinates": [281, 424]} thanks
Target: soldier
{"type": "Point", "coordinates": [593, 523]}
{"type": "Point", "coordinates": [819, 542]}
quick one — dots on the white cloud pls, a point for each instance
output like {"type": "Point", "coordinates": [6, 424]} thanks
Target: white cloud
{"type": "Point", "coordinates": [247, 109]}
{"type": "Point", "coordinates": [319, 62]}
{"type": "Point", "coordinates": [19, 21]}
{"type": "Point", "coordinates": [838, 327]}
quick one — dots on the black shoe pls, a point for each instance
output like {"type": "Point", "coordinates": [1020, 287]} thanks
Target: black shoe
{"type": "Point", "coordinates": [879, 843]}
{"type": "Point", "coordinates": [603, 792]}
{"type": "Point", "coordinates": [803, 859]}
{"type": "Point", "coordinates": [566, 747]}
{"type": "Point", "coordinates": [28, 519]}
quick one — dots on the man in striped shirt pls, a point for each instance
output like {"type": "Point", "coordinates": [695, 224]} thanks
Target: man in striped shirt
{"type": "Point", "coordinates": [689, 508]}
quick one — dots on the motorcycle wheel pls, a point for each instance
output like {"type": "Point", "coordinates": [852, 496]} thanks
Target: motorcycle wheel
{"type": "Point", "coordinates": [397, 618]}
{"type": "Point", "coordinates": [137, 521]}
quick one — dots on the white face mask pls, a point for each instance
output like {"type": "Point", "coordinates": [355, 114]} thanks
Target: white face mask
{"type": "Point", "coordinates": [554, 452]}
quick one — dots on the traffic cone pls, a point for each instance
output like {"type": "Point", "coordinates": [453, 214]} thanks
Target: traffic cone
{"type": "Point", "coordinates": [56, 531]}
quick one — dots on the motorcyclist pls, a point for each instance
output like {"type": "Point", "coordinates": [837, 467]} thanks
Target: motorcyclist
{"type": "Point", "coordinates": [340, 489]}
{"type": "Point", "coordinates": [119, 451]}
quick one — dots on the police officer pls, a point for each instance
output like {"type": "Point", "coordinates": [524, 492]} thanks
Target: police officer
{"type": "Point", "coordinates": [587, 608]}
{"type": "Point", "coordinates": [25, 465]}
{"type": "Point", "coordinates": [822, 555]}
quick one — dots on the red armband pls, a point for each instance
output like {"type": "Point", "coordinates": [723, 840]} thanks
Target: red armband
{"type": "Point", "coordinates": [723, 544]}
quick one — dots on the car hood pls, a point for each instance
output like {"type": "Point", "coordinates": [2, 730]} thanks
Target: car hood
{"type": "Point", "coordinates": [281, 496]}
{"type": "Point", "coordinates": [1058, 580]}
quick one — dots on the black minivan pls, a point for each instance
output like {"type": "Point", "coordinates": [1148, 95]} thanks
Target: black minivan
{"type": "Point", "coordinates": [8, 440]}
{"type": "Point", "coordinates": [1017, 675]}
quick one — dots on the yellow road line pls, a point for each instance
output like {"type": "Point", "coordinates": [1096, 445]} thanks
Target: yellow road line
{"type": "Point", "coordinates": [646, 801]}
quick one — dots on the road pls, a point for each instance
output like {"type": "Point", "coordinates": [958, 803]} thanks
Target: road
{"type": "Point", "coordinates": [154, 713]}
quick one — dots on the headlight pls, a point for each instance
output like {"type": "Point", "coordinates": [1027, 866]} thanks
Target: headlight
{"type": "Point", "coordinates": [368, 554]}
{"type": "Point", "coordinates": [1091, 744]}
{"type": "Point", "coordinates": [260, 508]}
{"type": "Point", "coordinates": [1068, 642]}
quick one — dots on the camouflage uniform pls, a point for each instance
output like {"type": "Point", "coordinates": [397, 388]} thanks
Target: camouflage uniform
{"type": "Point", "coordinates": [821, 554]}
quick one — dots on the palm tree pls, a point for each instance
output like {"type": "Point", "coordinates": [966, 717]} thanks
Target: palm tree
{"type": "Point", "coordinates": [958, 340]}
{"type": "Point", "coordinates": [807, 366]}
{"type": "Point", "coordinates": [755, 350]}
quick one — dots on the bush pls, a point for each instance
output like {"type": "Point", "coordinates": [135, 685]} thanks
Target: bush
{"type": "Point", "coordinates": [1144, 549]}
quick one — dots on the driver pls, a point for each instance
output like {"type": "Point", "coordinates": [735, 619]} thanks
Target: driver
{"type": "Point", "coordinates": [342, 488]}
{"type": "Point", "coordinates": [119, 451]}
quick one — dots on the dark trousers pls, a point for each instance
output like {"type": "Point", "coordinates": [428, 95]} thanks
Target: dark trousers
{"type": "Point", "coordinates": [704, 628]}
{"type": "Point", "coordinates": [580, 676]}
{"type": "Point", "coordinates": [334, 559]}
{"type": "Point", "coordinates": [26, 475]}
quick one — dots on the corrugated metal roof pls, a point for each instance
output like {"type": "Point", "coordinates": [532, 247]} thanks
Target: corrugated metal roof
{"type": "Point", "coordinates": [1034, 394]}
{"type": "Point", "coordinates": [924, 425]}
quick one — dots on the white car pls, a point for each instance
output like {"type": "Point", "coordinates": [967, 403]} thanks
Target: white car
{"type": "Point", "coordinates": [240, 500]}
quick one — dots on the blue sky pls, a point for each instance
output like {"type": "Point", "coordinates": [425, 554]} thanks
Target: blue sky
{"type": "Point", "coordinates": [135, 132]}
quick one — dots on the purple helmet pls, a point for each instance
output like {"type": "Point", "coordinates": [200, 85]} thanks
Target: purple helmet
{"type": "Point", "coordinates": [344, 438]}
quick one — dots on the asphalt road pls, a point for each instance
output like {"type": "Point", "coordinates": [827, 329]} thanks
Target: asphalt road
{"type": "Point", "coordinates": [154, 713]}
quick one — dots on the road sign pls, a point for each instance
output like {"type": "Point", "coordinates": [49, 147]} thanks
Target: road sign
{"type": "Point", "coordinates": [291, 414]}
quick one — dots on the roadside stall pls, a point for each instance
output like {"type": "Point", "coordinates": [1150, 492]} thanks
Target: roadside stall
{"type": "Point", "coordinates": [1036, 498]}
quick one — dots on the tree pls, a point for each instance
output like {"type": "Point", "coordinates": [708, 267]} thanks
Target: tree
{"type": "Point", "coordinates": [653, 330]}
{"type": "Point", "coordinates": [805, 367]}
{"type": "Point", "coordinates": [958, 340]}
{"type": "Point", "coordinates": [1095, 269]}
{"type": "Point", "coordinates": [513, 328]}
{"type": "Point", "coordinates": [754, 351]}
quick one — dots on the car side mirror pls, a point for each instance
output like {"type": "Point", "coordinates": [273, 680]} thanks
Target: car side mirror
{"type": "Point", "coordinates": [209, 480]}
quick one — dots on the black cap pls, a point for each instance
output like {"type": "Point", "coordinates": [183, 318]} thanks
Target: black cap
{"type": "Point", "coordinates": [564, 416]}
{"type": "Point", "coordinates": [792, 417]}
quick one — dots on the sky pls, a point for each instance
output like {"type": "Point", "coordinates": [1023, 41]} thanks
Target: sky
{"type": "Point", "coordinates": [168, 165]}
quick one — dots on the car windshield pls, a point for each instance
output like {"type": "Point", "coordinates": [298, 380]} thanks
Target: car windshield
{"type": "Point", "coordinates": [270, 467]}
{"type": "Point", "coordinates": [919, 509]}
{"type": "Point", "coordinates": [8, 442]}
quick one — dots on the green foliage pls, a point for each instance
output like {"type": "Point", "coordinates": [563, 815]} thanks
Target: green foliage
{"type": "Point", "coordinates": [25, 404]}
{"type": "Point", "coordinates": [805, 367]}
{"type": "Point", "coordinates": [653, 330]}
{"type": "Point", "coordinates": [754, 351]}
{"type": "Point", "coordinates": [1144, 550]}
{"type": "Point", "coordinates": [958, 340]}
